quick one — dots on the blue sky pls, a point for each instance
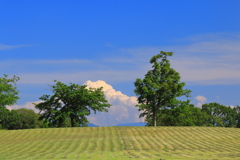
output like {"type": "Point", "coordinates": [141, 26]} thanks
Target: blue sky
{"type": "Point", "coordinates": [112, 41]}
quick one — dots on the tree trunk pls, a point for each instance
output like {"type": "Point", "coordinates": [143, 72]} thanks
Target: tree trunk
{"type": "Point", "coordinates": [154, 117]}
{"type": "Point", "coordinates": [72, 120]}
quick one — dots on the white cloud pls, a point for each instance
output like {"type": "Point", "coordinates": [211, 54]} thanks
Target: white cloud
{"type": "Point", "coordinates": [200, 100]}
{"type": "Point", "coordinates": [203, 71]}
{"type": "Point", "coordinates": [112, 76]}
{"type": "Point", "coordinates": [48, 62]}
{"type": "Point", "coordinates": [123, 108]}
{"type": "Point", "coordinates": [231, 106]}
{"type": "Point", "coordinates": [203, 59]}
{"type": "Point", "coordinates": [27, 105]}
{"type": "Point", "coordinates": [8, 47]}
{"type": "Point", "coordinates": [206, 59]}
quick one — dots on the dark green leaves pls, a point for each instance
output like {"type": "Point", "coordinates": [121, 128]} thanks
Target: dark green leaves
{"type": "Point", "coordinates": [160, 86]}
{"type": "Point", "coordinates": [221, 115]}
{"type": "Point", "coordinates": [72, 102]}
{"type": "Point", "coordinates": [8, 92]}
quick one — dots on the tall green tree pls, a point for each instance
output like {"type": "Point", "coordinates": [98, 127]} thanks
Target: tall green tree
{"type": "Point", "coordinates": [160, 87]}
{"type": "Point", "coordinates": [8, 92]}
{"type": "Point", "coordinates": [71, 102]}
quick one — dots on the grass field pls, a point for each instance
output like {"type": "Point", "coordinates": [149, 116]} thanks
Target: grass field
{"type": "Point", "coordinates": [121, 143]}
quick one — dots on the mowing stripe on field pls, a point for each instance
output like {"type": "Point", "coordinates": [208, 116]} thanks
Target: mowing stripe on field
{"type": "Point", "coordinates": [121, 143]}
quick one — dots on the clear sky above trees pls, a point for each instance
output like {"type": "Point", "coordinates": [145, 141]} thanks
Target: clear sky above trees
{"type": "Point", "coordinates": [112, 41]}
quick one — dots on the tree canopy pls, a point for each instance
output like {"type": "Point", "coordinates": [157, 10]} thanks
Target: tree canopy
{"type": "Point", "coordinates": [160, 87]}
{"type": "Point", "coordinates": [8, 92]}
{"type": "Point", "coordinates": [181, 113]}
{"type": "Point", "coordinates": [71, 102]}
{"type": "Point", "coordinates": [28, 118]}
{"type": "Point", "coordinates": [221, 115]}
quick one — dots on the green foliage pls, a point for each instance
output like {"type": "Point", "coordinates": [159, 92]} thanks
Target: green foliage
{"type": "Point", "coordinates": [237, 111]}
{"type": "Point", "coordinates": [4, 112]}
{"type": "Point", "coordinates": [181, 113]}
{"type": "Point", "coordinates": [8, 92]}
{"type": "Point", "coordinates": [71, 104]}
{"type": "Point", "coordinates": [9, 119]}
{"type": "Point", "coordinates": [13, 120]}
{"type": "Point", "coordinates": [19, 119]}
{"type": "Point", "coordinates": [221, 115]}
{"type": "Point", "coordinates": [184, 114]}
{"type": "Point", "coordinates": [160, 87]}
{"type": "Point", "coordinates": [28, 118]}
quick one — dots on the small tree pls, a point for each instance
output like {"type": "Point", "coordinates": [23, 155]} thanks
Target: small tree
{"type": "Point", "coordinates": [13, 120]}
{"type": "Point", "coordinates": [9, 119]}
{"type": "Point", "coordinates": [28, 118]}
{"type": "Point", "coordinates": [72, 102]}
{"type": "Point", "coordinates": [8, 92]}
{"type": "Point", "coordinates": [160, 87]}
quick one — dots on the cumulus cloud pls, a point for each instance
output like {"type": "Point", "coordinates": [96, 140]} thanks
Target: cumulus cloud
{"type": "Point", "coordinates": [123, 108]}
{"type": "Point", "coordinates": [231, 106]}
{"type": "Point", "coordinates": [27, 105]}
{"type": "Point", "coordinates": [200, 100]}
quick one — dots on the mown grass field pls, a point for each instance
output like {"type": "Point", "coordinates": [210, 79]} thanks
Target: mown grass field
{"type": "Point", "coordinates": [121, 143]}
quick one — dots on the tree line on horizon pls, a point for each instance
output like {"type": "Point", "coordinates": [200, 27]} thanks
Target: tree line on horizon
{"type": "Point", "coordinates": [157, 97]}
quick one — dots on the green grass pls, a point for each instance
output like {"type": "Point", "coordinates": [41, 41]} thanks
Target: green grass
{"type": "Point", "coordinates": [121, 143]}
